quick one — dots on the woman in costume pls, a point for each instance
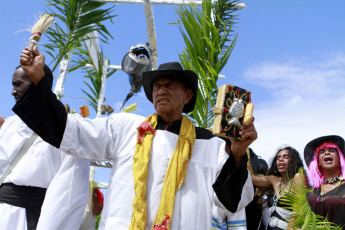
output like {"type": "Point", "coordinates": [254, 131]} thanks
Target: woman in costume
{"type": "Point", "coordinates": [283, 170]}
{"type": "Point", "coordinates": [324, 157]}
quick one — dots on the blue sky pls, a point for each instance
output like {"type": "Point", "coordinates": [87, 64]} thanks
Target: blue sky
{"type": "Point", "coordinates": [289, 54]}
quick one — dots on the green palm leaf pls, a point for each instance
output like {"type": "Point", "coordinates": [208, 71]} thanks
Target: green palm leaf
{"type": "Point", "coordinates": [78, 18]}
{"type": "Point", "coordinates": [130, 108]}
{"type": "Point", "coordinates": [207, 33]}
{"type": "Point", "coordinates": [95, 77]}
{"type": "Point", "coordinates": [302, 215]}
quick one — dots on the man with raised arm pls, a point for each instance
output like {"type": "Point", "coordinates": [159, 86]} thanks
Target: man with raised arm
{"type": "Point", "coordinates": [46, 189]}
{"type": "Point", "coordinates": [166, 171]}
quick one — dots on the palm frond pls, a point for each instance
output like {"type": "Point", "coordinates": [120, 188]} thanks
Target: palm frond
{"type": "Point", "coordinates": [83, 60]}
{"type": "Point", "coordinates": [77, 18]}
{"type": "Point", "coordinates": [208, 47]}
{"type": "Point", "coordinates": [302, 215]}
{"type": "Point", "coordinates": [130, 108]}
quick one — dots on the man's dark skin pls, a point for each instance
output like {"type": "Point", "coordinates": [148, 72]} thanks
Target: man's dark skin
{"type": "Point", "coordinates": [96, 206]}
{"type": "Point", "coordinates": [168, 102]}
{"type": "Point", "coordinates": [21, 82]}
{"type": "Point", "coordinates": [2, 120]}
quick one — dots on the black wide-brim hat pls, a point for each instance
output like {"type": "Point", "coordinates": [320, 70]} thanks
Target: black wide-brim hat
{"type": "Point", "coordinates": [176, 71]}
{"type": "Point", "coordinates": [311, 147]}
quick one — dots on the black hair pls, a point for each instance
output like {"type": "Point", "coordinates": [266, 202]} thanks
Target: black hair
{"type": "Point", "coordinates": [48, 73]}
{"type": "Point", "coordinates": [295, 163]}
{"type": "Point", "coordinates": [259, 165]}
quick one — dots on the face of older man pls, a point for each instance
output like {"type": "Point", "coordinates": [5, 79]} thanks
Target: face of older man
{"type": "Point", "coordinates": [21, 82]}
{"type": "Point", "coordinates": [169, 97]}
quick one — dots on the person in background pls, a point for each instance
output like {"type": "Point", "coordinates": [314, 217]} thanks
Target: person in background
{"type": "Point", "coordinates": [97, 201]}
{"type": "Point", "coordinates": [284, 169]}
{"type": "Point", "coordinates": [324, 157]}
{"type": "Point", "coordinates": [165, 169]}
{"type": "Point", "coordinates": [47, 189]}
{"type": "Point", "coordinates": [2, 120]}
{"type": "Point", "coordinates": [93, 209]}
{"type": "Point", "coordinates": [256, 211]}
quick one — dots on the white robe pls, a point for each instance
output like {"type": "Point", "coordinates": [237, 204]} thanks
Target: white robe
{"type": "Point", "coordinates": [224, 220]}
{"type": "Point", "coordinates": [114, 138]}
{"type": "Point", "coordinates": [65, 177]}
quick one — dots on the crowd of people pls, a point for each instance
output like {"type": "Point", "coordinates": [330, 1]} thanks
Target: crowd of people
{"type": "Point", "coordinates": [166, 173]}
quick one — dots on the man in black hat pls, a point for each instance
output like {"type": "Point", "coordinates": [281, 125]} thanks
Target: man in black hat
{"type": "Point", "coordinates": [164, 167]}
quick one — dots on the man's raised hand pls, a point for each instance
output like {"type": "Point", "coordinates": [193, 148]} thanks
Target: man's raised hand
{"type": "Point", "coordinates": [32, 63]}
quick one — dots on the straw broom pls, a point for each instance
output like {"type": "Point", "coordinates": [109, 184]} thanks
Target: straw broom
{"type": "Point", "coordinates": [39, 28]}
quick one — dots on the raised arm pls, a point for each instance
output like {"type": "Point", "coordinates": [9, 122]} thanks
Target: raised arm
{"type": "Point", "coordinates": [93, 140]}
{"type": "Point", "coordinates": [39, 107]}
{"type": "Point", "coordinates": [262, 181]}
{"type": "Point", "coordinates": [233, 187]}
{"type": "Point", "coordinates": [32, 63]}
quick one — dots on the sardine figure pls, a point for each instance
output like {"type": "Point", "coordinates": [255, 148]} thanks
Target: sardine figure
{"type": "Point", "coordinates": [135, 62]}
{"type": "Point", "coordinates": [236, 111]}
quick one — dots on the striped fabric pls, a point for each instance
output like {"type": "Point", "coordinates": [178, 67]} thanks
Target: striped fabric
{"type": "Point", "coordinates": [237, 224]}
{"type": "Point", "coordinates": [233, 223]}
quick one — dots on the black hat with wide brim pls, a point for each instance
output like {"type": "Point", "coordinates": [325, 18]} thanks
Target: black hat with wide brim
{"type": "Point", "coordinates": [175, 71]}
{"type": "Point", "coordinates": [311, 147]}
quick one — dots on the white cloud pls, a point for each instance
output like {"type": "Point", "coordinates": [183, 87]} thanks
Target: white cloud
{"type": "Point", "coordinates": [308, 101]}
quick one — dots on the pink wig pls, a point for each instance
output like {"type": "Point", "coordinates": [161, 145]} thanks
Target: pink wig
{"type": "Point", "coordinates": [315, 176]}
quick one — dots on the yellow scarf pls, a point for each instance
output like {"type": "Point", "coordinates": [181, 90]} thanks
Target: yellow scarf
{"type": "Point", "coordinates": [174, 176]}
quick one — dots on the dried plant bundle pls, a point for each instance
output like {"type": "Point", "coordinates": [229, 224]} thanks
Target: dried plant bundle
{"type": "Point", "coordinates": [39, 28]}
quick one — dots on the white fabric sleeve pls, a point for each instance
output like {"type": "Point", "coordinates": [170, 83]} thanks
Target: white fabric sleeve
{"type": "Point", "coordinates": [224, 220]}
{"type": "Point", "coordinates": [98, 139]}
{"type": "Point", "coordinates": [236, 175]}
{"type": "Point", "coordinates": [237, 220]}
{"type": "Point", "coordinates": [219, 217]}
{"type": "Point", "coordinates": [66, 196]}
{"type": "Point", "coordinates": [247, 196]}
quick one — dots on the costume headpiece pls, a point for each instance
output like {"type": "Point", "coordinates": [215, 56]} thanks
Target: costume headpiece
{"type": "Point", "coordinates": [311, 147]}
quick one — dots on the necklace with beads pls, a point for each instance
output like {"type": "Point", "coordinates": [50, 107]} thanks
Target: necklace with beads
{"type": "Point", "coordinates": [280, 190]}
{"type": "Point", "coordinates": [324, 190]}
{"type": "Point", "coordinates": [333, 179]}
{"type": "Point", "coordinates": [276, 198]}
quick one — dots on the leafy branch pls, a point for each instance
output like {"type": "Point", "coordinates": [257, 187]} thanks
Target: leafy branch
{"type": "Point", "coordinates": [78, 18]}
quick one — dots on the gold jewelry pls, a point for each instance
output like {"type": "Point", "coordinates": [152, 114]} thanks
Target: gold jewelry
{"type": "Point", "coordinates": [324, 190]}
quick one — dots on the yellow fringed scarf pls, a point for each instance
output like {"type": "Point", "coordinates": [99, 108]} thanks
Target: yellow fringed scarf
{"type": "Point", "coordinates": [174, 176]}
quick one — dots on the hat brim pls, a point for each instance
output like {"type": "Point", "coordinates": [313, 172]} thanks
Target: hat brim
{"type": "Point", "coordinates": [311, 147]}
{"type": "Point", "coordinates": [189, 78]}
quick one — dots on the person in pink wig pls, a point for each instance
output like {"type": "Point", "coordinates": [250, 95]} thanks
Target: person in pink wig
{"type": "Point", "coordinates": [324, 157]}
